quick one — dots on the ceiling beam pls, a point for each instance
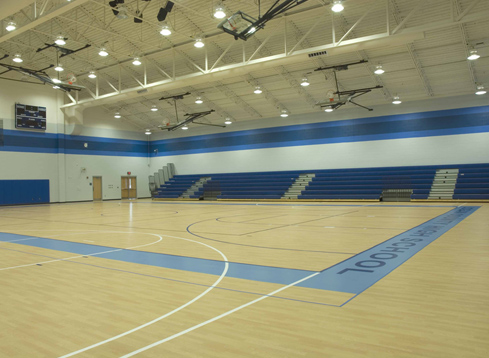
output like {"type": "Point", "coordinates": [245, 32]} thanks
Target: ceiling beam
{"type": "Point", "coordinates": [240, 69]}
{"type": "Point", "coordinates": [404, 36]}
{"type": "Point", "coordinates": [9, 8]}
{"type": "Point", "coordinates": [64, 7]}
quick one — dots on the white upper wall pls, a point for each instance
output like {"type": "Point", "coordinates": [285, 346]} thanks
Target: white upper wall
{"type": "Point", "coordinates": [99, 122]}
{"type": "Point", "coordinates": [12, 92]}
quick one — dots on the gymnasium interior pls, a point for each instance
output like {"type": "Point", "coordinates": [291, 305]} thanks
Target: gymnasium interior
{"type": "Point", "coordinates": [229, 178]}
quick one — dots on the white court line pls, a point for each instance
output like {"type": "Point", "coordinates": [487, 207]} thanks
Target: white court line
{"type": "Point", "coordinates": [215, 318]}
{"type": "Point", "coordinates": [223, 274]}
{"type": "Point", "coordinates": [78, 256]}
{"type": "Point", "coordinates": [30, 238]}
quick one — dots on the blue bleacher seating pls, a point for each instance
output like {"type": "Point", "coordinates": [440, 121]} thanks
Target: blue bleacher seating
{"type": "Point", "coordinates": [354, 183]}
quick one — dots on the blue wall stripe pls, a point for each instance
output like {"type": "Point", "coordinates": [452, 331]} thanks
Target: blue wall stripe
{"type": "Point", "coordinates": [413, 125]}
{"type": "Point", "coordinates": [438, 123]}
{"type": "Point", "coordinates": [32, 142]}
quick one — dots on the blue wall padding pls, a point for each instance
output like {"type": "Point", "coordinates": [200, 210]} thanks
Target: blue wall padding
{"type": "Point", "coordinates": [24, 192]}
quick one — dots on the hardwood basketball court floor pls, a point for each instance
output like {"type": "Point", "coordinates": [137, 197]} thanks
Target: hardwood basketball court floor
{"type": "Point", "coordinates": [228, 279]}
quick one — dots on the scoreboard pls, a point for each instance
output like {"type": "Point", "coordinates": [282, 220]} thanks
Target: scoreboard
{"type": "Point", "coordinates": [32, 117]}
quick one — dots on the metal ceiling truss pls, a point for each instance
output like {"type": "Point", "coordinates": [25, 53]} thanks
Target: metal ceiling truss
{"type": "Point", "coordinates": [266, 93]}
{"type": "Point", "coordinates": [294, 51]}
{"type": "Point", "coordinates": [363, 56]}
{"type": "Point", "coordinates": [171, 66]}
{"type": "Point", "coordinates": [410, 47]}
{"type": "Point", "coordinates": [225, 90]}
{"type": "Point", "coordinates": [458, 13]}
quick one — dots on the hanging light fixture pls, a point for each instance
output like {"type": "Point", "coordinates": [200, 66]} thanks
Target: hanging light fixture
{"type": "Point", "coordinates": [379, 70]}
{"type": "Point", "coordinates": [59, 68]}
{"type": "Point", "coordinates": [480, 90]}
{"type": "Point", "coordinates": [148, 132]}
{"type": "Point", "coordinates": [228, 121]}
{"type": "Point", "coordinates": [60, 40]}
{"type": "Point", "coordinates": [219, 12]}
{"type": "Point", "coordinates": [56, 80]}
{"type": "Point", "coordinates": [396, 100]}
{"type": "Point", "coordinates": [121, 13]}
{"type": "Point", "coordinates": [257, 90]}
{"type": "Point", "coordinates": [56, 87]}
{"type": "Point", "coordinates": [92, 74]}
{"type": "Point", "coordinates": [305, 82]}
{"type": "Point", "coordinates": [154, 108]}
{"type": "Point", "coordinates": [18, 58]}
{"type": "Point", "coordinates": [103, 52]}
{"type": "Point", "coordinates": [284, 113]}
{"type": "Point", "coordinates": [136, 61]}
{"type": "Point", "coordinates": [165, 29]}
{"type": "Point", "coordinates": [337, 6]}
{"type": "Point", "coordinates": [199, 100]}
{"type": "Point", "coordinates": [473, 55]}
{"type": "Point", "coordinates": [117, 115]}
{"type": "Point", "coordinates": [329, 109]}
{"type": "Point", "coordinates": [199, 42]}
{"type": "Point", "coordinates": [185, 127]}
{"type": "Point", "coordinates": [11, 26]}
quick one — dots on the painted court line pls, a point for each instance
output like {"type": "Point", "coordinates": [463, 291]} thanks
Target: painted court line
{"type": "Point", "coordinates": [78, 256]}
{"type": "Point", "coordinates": [357, 273]}
{"type": "Point", "coordinates": [424, 235]}
{"type": "Point", "coordinates": [223, 274]}
{"type": "Point", "coordinates": [352, 275]}
{"type": "Point", "coordinates": [216, 318]}
{"type": "Point", "coordinates": [258, 246]}
{"type": "Point", "coordinates": [163, 278]}
{"type": "Point", "coordinates": [299, 205]}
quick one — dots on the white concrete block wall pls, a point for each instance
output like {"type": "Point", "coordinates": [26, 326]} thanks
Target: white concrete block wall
{"type": "Point", "coordinates": [69, 183]}
{"type": "Point", "coordinates": [455, 149]}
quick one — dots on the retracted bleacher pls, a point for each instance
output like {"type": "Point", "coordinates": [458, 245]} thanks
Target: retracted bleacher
{"type": "Point", "coordinates": [330, 184]}
{"type": "Point", "coordinates": [368, 183]}
{"type": "Point", "coordinates": [262, 185]}
{"type": "Point", "coordinates": [472, 183]}
{"type": "Point", "coordinates": [176, 186]}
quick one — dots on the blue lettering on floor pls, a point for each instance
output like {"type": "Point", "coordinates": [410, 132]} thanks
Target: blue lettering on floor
{"type": "Point", "coordinates": [361, 271]}
{"type": "Point", "coordinates": [352, 275]}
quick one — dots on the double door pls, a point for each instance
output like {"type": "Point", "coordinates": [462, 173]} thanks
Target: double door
{"type": "Point", "coordinates": [128, 188]}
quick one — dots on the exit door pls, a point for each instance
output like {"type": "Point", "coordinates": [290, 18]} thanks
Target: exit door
{"type": "Point", "coordinates": [128, 188]}
{"type": "Point", "coordinates": [97, 188]}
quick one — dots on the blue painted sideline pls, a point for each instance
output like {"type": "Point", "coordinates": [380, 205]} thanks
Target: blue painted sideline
{"type": "Point", "coordinates": [212, 267]}
{"type": "Point", "coordinates": [353, 275]}
{"type": "Point", "coordinates": [356, 274]}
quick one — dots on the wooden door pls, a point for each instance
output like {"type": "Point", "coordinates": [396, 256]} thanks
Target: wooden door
{"type": "Point", "coordinates": [128, 188]}
{"type": "Point", "coordinates": [97, 188]}
{"type": "Point", "coordinates": [132, 188]}
{"type": "Point", "coordinates": [124, 188]}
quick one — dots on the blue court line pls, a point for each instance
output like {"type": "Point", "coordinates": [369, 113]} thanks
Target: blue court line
{"type": "Point", "coordinates": [353, 275]}
{"type": "Point", "coordinates": [169, 279]}
{"type": "Point", "coordinates": [358, 273]}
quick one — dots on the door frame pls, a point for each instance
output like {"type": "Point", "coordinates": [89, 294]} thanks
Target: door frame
{"type": "Point", "coordinates": [136, 188]}
{"type": "Point", "coordinates": [101, 188]}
